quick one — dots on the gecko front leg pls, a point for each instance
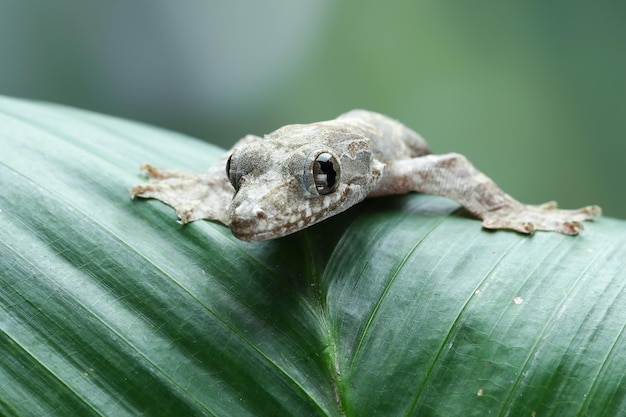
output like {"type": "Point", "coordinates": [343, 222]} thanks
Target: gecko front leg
{"type": "Point", "coordinates": [194, 196]}
{"type": "Point", "coordinates": [453, 176]}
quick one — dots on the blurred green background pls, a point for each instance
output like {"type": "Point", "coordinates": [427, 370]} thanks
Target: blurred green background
{"type": "Point", "coordinates": [532, 92]}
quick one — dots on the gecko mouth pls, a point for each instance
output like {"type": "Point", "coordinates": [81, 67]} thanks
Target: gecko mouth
{"type": "Point", "coordinates": [251, 222]}
{"type": "Point", "coordinates": [263, 227]}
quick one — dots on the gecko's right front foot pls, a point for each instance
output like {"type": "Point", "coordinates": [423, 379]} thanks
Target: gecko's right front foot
{"type": "Point", "coordinates": [526, 219]}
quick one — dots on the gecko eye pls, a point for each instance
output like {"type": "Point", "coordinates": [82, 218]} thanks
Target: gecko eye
{"type": "Point", "coordinates": [323, 173]}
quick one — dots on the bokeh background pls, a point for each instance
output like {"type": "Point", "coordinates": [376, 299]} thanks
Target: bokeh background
{"type": "Point", "coordinates": [533, 92]}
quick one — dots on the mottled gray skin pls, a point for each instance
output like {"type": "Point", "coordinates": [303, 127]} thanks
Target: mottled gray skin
{"type": "Point", "coordinates": [275, 185]}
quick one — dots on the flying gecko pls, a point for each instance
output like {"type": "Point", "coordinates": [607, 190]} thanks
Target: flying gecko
{"type": "Point", "coordinates": [302, 174]}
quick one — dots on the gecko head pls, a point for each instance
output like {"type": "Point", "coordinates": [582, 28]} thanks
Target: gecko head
{"type": "Point", "coordinates": [296, 177]}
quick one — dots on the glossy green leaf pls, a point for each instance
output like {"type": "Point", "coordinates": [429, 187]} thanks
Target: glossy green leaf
{"type": "Point", "coordinates": [399, 307]}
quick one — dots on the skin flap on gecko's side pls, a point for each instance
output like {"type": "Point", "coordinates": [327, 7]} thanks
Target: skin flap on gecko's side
{"type": "Point", "coordinates": [299, 175]}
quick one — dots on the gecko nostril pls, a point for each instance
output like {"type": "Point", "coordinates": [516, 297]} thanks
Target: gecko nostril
{"type": "Point", "coordinates": [260, 214]}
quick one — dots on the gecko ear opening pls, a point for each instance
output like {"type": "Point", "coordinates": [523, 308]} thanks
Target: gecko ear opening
{"type": "Point", "coordinates": [322, 172]}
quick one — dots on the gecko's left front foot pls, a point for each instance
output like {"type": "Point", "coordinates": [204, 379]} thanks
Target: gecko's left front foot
{"type": "Point", "coordinates": [195, 196]}
{"type": "Point", "coordinates": [527, 218]}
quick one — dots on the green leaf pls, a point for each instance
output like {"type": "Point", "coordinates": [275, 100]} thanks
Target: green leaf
{"type": "Point", "coordinates": [399, 307]}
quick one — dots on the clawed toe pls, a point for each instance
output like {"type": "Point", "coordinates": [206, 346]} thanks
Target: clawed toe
{"type": "Point", "coordinates": [506, 222]}
{"type": "Point", "coordinates": [157, 173]}
{"type": "Point", "coordinates": [571, 228]}
{"type": "Point", "coordinates": [150, 170]}
{"type": "Point", "coordinates": [590, 211]}
{"type": "Point", "coordinates": [550, 205]}
{"type": "Point", "coordinates": [185, 216]}
{"type": "Point", "coordinates": [139, 190]}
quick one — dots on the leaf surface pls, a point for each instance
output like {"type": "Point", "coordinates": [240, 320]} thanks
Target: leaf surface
{"type": "Point", "coordinates": [399, 307]}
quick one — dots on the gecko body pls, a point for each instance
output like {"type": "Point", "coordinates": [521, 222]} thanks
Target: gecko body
{"type": "Point", "coordinates": [299, 175]}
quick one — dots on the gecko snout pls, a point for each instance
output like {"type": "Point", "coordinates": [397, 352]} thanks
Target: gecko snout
{"type": "Point", "coordinates": [249, 222]}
